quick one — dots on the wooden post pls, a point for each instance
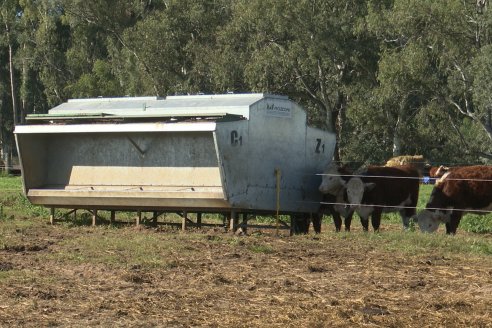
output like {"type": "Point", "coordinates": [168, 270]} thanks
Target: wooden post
{"type": "Point", "coordinates": [139, 217]}
{"type": "Point", "coordinates": [94, 217]}
{"type": "Point", "coordinates": [199, 220]}
{"type": "Point", "coordinates": [52, 215]}
{"type": "Point", "coordinates": [75, 214]}
{"type": "Point", "coordinates": [183, 222]}
{"type": "Point", "coordinates": [112, 217]}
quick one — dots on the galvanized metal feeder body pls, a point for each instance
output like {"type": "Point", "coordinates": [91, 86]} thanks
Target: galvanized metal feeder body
{"type": "Point", "coordinates": [195, 153]}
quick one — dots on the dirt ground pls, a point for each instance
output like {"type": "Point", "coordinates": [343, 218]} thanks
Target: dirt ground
{"type": "Point", "coordinates": [214, 279]}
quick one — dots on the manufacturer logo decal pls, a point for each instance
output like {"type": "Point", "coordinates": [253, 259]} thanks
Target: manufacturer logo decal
{"type": "Point", "coordinates": [278, 110]}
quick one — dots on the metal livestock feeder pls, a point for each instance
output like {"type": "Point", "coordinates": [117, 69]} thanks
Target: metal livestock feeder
{"type": "Point", "coordinates": [205, 153]}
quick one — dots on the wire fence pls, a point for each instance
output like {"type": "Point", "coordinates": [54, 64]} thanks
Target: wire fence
{"type": "Point", "coordinates": [398, 177]}
{"type": "Point", "coordinates": [396, 207]}
{"type": "Point", "coordinates": [427, 164]}
{"type": "Point", "coordinates": [408, 207]}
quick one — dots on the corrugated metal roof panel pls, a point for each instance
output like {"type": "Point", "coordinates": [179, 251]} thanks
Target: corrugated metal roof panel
{"type": "Point", "coordinates": [198, 105]}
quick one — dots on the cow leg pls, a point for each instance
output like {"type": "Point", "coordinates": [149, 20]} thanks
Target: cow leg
{"type": "Point", "coordinates": [317, 218]}
{"type": "Point", "coordinates": [454, 222]}
{"type": "Point", "coordinates": [365, 223]}
{"type": "Point", "coordinates": [348, 221]}
{"type": "Point", "coordinates": [406, 214]}
{"type": "Point", "coordinates": [405, 219]}
{"type": "Point", "coordinates": [300, 223]}
{"type": "Point", "coordinates": [376, 219]}
{"type": "Point", "coordinates": [337, 220]}
{"type": "Point", "coordinates": [329, 210]}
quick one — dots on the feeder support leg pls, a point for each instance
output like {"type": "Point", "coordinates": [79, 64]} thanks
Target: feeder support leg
{"type": "Point", "coordinates": [52, 215]}
{"type": "Point", "coordinates": [94, 217]}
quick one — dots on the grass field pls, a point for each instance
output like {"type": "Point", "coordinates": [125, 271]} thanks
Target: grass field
{"type": "Point", "coordinates": [13, 203]}
{"type": "Point", "coordinates": [72, 274]}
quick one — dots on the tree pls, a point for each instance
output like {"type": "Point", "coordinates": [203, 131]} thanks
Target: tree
{"type": "Point", "coordinates": [427, 63]}
{"type": "Point", "coordinates": [9, 18]}
{"type": "Point", "coordinates": [97, 36]}
{"type": "Point", "coordinates": [167, 52]}
{"type": "Point", "coordinates": [9, 11]}
{"type": "Point", "coordinates": [314, 51]}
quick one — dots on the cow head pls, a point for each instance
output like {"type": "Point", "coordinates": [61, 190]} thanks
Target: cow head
{"type": "Point", "coordinates": [342, 207]}
{"type": "Point", "coordinates": [331, 182]}
{"type": "Point", "coordinates": [429, 220]}
{"type": "Point", "coordinates": [355, 190]}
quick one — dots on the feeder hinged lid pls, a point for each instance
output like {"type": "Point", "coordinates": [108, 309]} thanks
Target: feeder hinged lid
{"type": "Point", "coordinates": [181, 107]}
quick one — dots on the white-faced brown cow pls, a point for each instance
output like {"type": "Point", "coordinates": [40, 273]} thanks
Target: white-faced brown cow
{"type": "Point", "coordinates": [460, 190]}
{"type": "Point", "coordinates": [415, 161]}
{"type": "Point", "coordinates": [436, 172]}
{"type": "Point", "coordinates": [384, 189]}
{"type": "Point", "coordinates": [332, 203]}
{"type": "Point", "coordinates": [379, 189]}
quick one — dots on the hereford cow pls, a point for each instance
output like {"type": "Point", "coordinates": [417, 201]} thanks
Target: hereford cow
{"type": "Point", "coordinates": [334, 179]}
{"type": "Point", "coordinates": [441, 170]}
{"type": "Point", "coordinates": [433, 172]}
{"type": "Point", "coordinates": [394, 189]}
{"type": "Point", "coordinates": [415, 161]}
{"type": "Point", "coordinates": [333, 197]}
{"type": "Point", "coordinates": [458, 191]}
{"type": "Point", "coordinates": [436, 172]}
{"type": "Point", "coordinates": [384, 189]}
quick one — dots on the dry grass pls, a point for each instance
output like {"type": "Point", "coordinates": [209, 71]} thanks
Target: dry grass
{"type": "Point", "coordinates": [83, 276]}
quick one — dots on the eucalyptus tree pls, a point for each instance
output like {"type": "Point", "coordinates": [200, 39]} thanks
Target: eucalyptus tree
{"type": "Point", "coordinates": [30, 58]}
{"type": "Point", "coordinates": [314, 51]}
{"type": "Point", "coordinates": [96, 38]}
{"type": "Point", "coordinates": [9, 14]}
{"type": "Point", "coordinates": [50, 39]}
{"type": "Point", "coordinates": [9, 112]}
{"type": "Point", "coordinates": [434, 59]}
{"type": "Point", "coordinates": [168, 52]}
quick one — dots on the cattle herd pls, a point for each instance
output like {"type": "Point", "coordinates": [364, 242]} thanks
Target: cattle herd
{"type": "Point", "coordinates": [394, 187]}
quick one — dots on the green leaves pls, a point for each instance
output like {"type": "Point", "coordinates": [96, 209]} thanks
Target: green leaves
{"type": "Point", "coordinates": [409, 76]}
{"type": "Point", "coordinates": [426, 66]}
{"type": "Point", "coordinates": [101, 81]}
{"type": "Point", "coordinates": [482, 82]}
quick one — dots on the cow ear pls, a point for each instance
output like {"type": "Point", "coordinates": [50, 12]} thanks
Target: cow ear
{"type": "Point", "coordinates": [369, 186]}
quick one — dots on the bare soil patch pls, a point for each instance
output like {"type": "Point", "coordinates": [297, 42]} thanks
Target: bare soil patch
{"type": "Point", "coordinates": [214, 279]}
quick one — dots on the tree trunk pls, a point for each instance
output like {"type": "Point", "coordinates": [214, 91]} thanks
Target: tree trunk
{"type": "Point", "coordinates": [25, 77]}
{"type": "Point", "coordinates": [339, 116]}
{"type": "Point", "coordinates": [6, 152]}
{"type": "Point", "coordinates": [396, 139]}
{"type": "Point", "coordinates": [12, 77]}
{"type": "Point", "coordinates": [331, 118]}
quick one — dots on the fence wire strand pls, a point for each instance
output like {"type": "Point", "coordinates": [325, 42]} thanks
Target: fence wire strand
{"type": "Point", "coordinates": [404, 207]}
{"type": "Point", "coordinates": [397, 177]}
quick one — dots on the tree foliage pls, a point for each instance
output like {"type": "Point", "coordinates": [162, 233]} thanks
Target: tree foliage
{"type": "Point", "coordinates": [388, 77]}
{"type": "Point", "coordinates": [426, 73]}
